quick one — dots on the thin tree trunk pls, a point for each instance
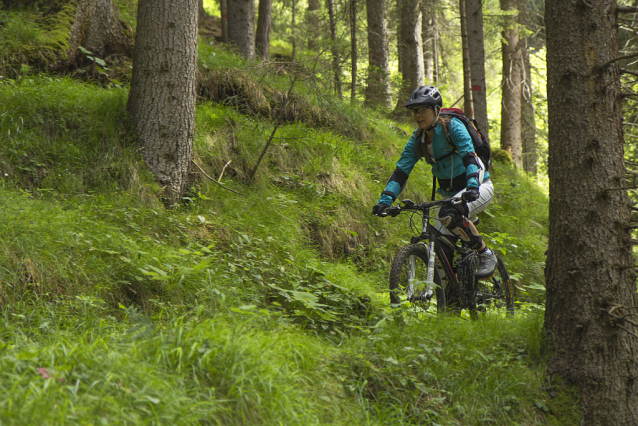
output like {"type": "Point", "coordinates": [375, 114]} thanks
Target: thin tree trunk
{"type": "Point", "coordinates": [223, 6]}
{"type": "Point", "coordinates": [336, 62]}
{"type": "Point", "coordinates": [241, 26]}
{"type": "Point", "coordinates": [378, 84]}
{"type": "Point", "coordinates": [467, 82]}
{"type": "Point", "coordinates": [436, 76]}
{"type": "Point", "coordinates": [428, 34]}
{"type": "Point", "coordinates": [511, 87]}
{"type": "Point", "coordinates": [262, 40]}
{"type": "Point", "coordinates": [201, 12]}
{"type": "Point", "coordinates": [353, 48]}
{"type": "Point", "coordinates": [590, 317]}
{"type": "Point", "coordinates": [410, 51]}
{"type": "Point", "coordinates": [528, 126]}
{"type": "Point", "coordinates": [474, 11]}
{"type": "Point", "coordinates": [161, 100]}
{"type": "Point", "coordinates": [294, 29]}
{"type": "Point", "coordinates": [312, 21]}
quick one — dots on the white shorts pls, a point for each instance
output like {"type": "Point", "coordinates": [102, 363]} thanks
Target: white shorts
{"type": "Point", "coordinates": [486, 193]}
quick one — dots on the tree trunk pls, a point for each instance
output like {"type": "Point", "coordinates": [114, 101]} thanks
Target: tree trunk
{"type": "Point", "coordinates": [241, 26]}
{"type": "Point", "coordinates": [312, 21]}
{"type": "Point", "coordinates": [511, 87]}
{"type": "Point", "coordinates": [353, 49]}
{"type": "Point", "coordinates": [223, 6]}
{"type": "Point", "coordinates": [410, 51]}
{"type": "Point", "coordinates": [474, 11]}
{"type": "Point", "coordinates": [467, 82]}
{"type": "Point", "coordinates": [94, 25]}
{"type": "Point", "coordinates": [429, 39]}
{"type": "Point", "coordinates": [201, 12]}
{"type": "Point", "coordinates": [262, 40]}
{"type": "Point", "coordinates": [591, 303]}
{"type": "Point", "coordinates": [161, 100]}
{"type": "Point", "coordinates": [528, 124]}
{"type": "Point", "coordinates": [97, 28]}
{"type": "Point", "coordinates": [378, 87]}
{"type": "Point", "coordinates": [336, 62]}
{"type": "Point", "coordinates": [293, 29]}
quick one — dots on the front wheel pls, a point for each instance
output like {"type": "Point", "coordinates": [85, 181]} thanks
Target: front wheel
{"type": "Point", "coordinates": [496, 292]}
{"type": "Point", "coordinates": [408, 279]}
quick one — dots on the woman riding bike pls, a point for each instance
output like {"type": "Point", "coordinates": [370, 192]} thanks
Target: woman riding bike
{"type": "Point", "coordinates": [457, 168]}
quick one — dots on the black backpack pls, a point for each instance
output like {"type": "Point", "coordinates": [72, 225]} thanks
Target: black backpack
{"type": "Point", "coordinates": [481, 145]}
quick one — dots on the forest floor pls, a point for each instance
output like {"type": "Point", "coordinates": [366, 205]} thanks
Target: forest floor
{"type": "Point", "coordinates": [268, 308]}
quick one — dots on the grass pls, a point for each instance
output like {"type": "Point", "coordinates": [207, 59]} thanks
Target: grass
{"type": "Point", "coordinates": [265, 309]}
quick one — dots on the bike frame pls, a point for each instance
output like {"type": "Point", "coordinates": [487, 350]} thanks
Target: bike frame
{"type": "Point", "coordinates": [433, 236]}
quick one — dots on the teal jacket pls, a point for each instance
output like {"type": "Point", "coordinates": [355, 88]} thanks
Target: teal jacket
{"type": "Point", "coordinates": [450, 171]}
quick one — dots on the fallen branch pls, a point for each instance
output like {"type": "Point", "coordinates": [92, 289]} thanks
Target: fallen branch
{"type": "Point", "coordinates": [213, 180]}
{"type": "Point", "coordinates": [263, 152]}
{"type": "Point", "coordinates": [222, 173]}
{"type": "Point", "coordinates": [272, 135]}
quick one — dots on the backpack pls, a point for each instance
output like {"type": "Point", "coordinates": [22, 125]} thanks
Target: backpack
{"type": "Point", "coordinates": [481, 145]}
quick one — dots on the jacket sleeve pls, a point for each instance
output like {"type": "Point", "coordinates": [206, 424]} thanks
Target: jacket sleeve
{"type": "Point", "coordinates": [463, 142]}
{"type": "Point", "coordinates": [398, 179]}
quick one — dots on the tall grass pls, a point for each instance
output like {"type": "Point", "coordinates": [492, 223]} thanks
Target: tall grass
{"type": "Point", "coordinates": [264, 309]}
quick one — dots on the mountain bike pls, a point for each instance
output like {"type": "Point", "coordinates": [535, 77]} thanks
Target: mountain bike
{"type": "Point", "coordinates": [421, 273]}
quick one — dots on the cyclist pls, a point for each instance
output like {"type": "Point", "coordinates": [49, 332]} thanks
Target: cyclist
{"type": "Point", "coordinates": [459, 171]}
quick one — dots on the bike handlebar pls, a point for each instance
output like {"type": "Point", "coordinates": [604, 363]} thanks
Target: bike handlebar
{"type": "Point", "coordinates": [409, 205]}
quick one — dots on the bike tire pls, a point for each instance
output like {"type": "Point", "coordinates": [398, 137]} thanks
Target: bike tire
{"type": "Point", "coordinates": [402, 272]}
{"type": "Point", "coordinates": [496, 291]}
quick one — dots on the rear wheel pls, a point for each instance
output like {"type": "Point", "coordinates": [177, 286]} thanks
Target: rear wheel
{"type": "Point", "coordinates": [408, 276]}
{"type": "Point", "coordinates": [496, 292]}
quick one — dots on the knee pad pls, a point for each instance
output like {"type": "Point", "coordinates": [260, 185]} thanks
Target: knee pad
{"type": "Point", "coordinates": [452, 216]}
{"type": "Point", "coordinates": [463, 231]}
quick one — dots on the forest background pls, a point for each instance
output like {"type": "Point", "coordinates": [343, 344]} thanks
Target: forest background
{"type": "Point", "coordinates": [266, 308]}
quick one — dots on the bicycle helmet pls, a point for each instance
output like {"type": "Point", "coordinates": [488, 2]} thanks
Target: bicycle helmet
{"type": "Point", "coordinates": [425, 96]}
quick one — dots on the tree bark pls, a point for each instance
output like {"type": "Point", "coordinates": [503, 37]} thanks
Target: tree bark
{"type": "Point", "coordinates": [223, 8]}
{"type": "Point", "coordinates": [428, 32]}
{"type": "Point", "coordinates": [528, 125]}
{"type": "Point", "coordinates": [262, 39]}
{"type": "Point", "coordinates": [410, 51]}
{"type": "Point", "coordinates": [590, 316]}
{"type": "Point", "coordinates": [293, 29]}
{"type": "Point", "coordinates": [467, 81]}
{"type": "Point", "coordinates": [312, 21]}
{"type": "Point", "coordinates": [336, 61]}
{"type": "Point", "coordinates": [97, 28]}
{"type": "Point", "coordinates": [161, 100]}
{"type": "Point", "coordinates": [511, 87]}
{"type": "Point", "coordinates": [474, 11]}
{"type": "Point", "coordinates": [353, 49]}
{"type": "Point", "coordinates": [241, 26]}
{"type": "Point", "coordinates": [378, 84]}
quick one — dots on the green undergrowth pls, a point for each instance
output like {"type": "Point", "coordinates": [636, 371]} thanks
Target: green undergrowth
{"type": "Point", "coordinates": [266, 308]}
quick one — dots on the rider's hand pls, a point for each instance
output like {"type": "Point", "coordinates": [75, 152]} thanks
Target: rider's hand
{"type": "Point", "coordinates": [380, 209]}
{"type": "Point", "coordinates": [470, 195]}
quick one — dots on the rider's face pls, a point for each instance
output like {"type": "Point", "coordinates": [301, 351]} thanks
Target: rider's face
{"type": "Point", "coordinates": [424, 117]}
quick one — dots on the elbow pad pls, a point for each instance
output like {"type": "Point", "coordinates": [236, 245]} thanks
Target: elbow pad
{"type": "Point", "coordinates": [470, 158]}
{"type": "Point", "coordinates": [400, 177]}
